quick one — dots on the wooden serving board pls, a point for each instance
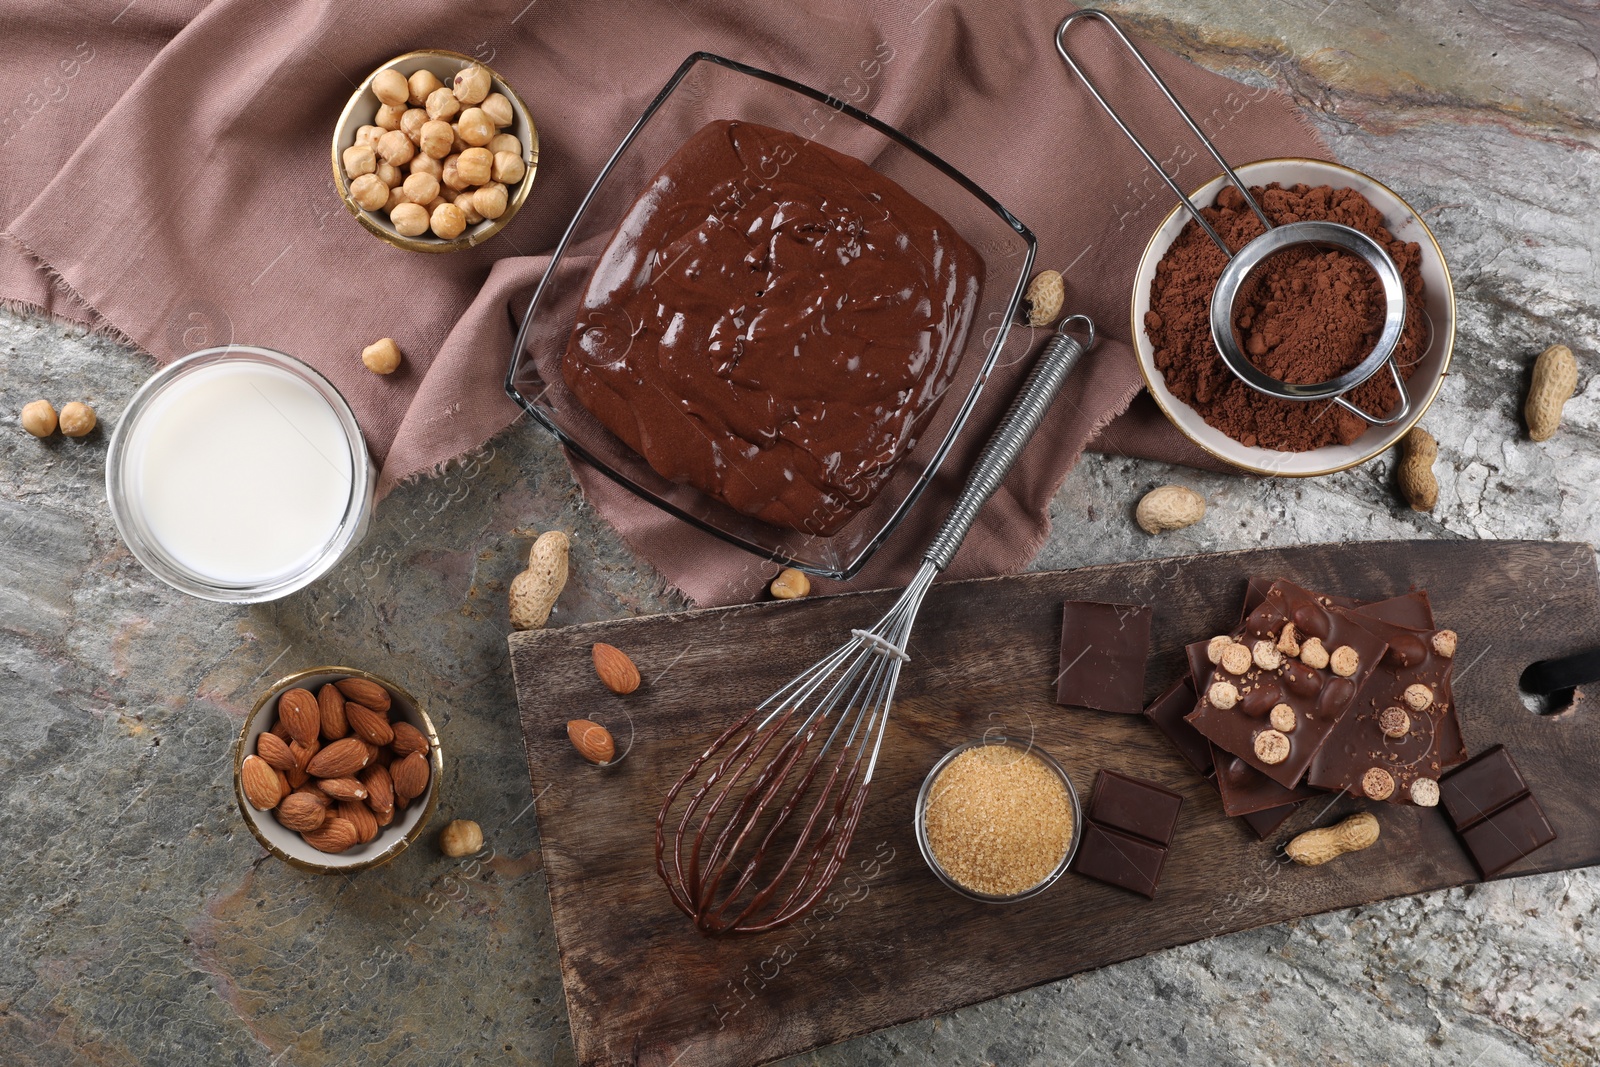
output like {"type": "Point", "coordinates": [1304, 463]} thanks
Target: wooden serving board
{"type": "Point", "coordinates": [892, 944]}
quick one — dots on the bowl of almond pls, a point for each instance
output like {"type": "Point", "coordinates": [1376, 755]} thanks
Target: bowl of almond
{"type": "Point", "coordinates": [337, 770]}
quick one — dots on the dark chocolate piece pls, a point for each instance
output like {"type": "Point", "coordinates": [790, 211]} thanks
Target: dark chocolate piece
{"type": "Point", "coordinates": [1516, 830]}
{"type": "Point", "coordinates": [1166, 714]}
{"type": "Point", "coordinates": [1478, 788]}
{"type": "Point", "coordinates": [1412, 609]}
{"type": "Point", "coordinates": [1135, 806]}
{"type": "Point", "coordinates": [1267, 820]}
{"type": "Point", "coordinates": [1119, 859]}
{"type": "Point", "coordinates": [1246, 790]}
{"type": "Point", "coordinates": [1103, 652]}
{"type": "Point", "coordinates": [1255, 591]}
{"type": "Point", "coordinates": [1383, 730]}
{"type": "Point", "coordinates": [1318, 697]}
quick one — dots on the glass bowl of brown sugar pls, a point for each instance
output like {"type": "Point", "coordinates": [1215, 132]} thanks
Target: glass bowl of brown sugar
{"type": "Point", "coordinates": [1317, 316]}
{"type": "Point", "coordinates": [998, 820]}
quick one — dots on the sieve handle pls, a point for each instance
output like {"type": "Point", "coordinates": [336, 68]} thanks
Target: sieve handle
{"type": "Point", "coordinates": [1022, 419]}
{"type": "Point", "coordinates": [1394, 416]}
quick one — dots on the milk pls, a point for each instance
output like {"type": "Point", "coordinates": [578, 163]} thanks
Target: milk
{"type": "Point", "coordinates": [240, 471]}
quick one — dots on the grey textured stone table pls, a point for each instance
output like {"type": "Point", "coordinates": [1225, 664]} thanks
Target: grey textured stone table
{"type": "Point", "coordinates": [144, 925]}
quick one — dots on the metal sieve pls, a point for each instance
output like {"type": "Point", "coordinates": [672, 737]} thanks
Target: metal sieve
{"type": "Point", "coordinates": [1243, 264]}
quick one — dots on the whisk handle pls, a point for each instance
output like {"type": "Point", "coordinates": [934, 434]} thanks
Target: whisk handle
{"type": "Point", "coordinates": [1023, 418]}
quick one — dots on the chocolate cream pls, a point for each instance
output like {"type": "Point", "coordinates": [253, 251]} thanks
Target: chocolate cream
{"type": "Point", "coordinates": [773, 323]}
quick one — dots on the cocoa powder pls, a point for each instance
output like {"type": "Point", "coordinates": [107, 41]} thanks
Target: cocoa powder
{"type": "Point", "coordinates": [1307, 315]}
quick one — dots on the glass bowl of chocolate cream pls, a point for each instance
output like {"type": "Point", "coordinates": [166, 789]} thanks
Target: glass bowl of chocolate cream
{"type": "Point", "coordinates": [773, 314]}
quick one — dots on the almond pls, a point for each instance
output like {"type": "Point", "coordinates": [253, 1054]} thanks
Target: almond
{"type": "Point", "coordinates": [315, 792]}
{"type": "Point", "coordinates": [331, 703]}
{"type": "Point", "coordinates": [360, 816]}
{"type": "Point", "coordinates": [408, 739]}
{"type": "Point", "coordinates": [384, 817]}
{"type": "Point", "coordinates": [280, 731]}
{"type": "Point", "coordinates": [367, 694]}
{"type": "Point", "coordinates": [262, 787]}
{"type": "Point", "coordinates": [272, 748]}
{"type": "Point", "coordinates": [300, 811]}
{"type": "Point", "coordinates": [284, 788]}
{"type": "Point", "coordinates": [297, 709]}
{"type": "Point", "coordinates": [410, 776]}
{"type": "Point", "coordinates": [343, 788]}
{"type": "Point", "coordinates": [592, 741]}
{"type": "Point", "coordinates": [615, 669]}
{"type": "Point", "coordinates": [380, 789]}
{"type": "Point", "coordinates": [302, 754]}
{"type": "Point", "coordinates": [296, 777]}
{"type": "Point", "coordinates": [340, 759]}
{"type": "Point", "coordinates": [368, 724]}
{"type": "Point", "coordinates": [335, 835]}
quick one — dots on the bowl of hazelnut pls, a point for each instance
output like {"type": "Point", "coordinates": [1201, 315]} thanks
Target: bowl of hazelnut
{"type": "Point", "coordinates": [434, 152]}
{"type": "Point", "coordinates": [336, 770]}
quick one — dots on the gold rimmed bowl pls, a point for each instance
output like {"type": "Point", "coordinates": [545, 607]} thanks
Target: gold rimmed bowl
{"type": "Point", "coordinates": [1439, 306]}
{"type": "Point", "coordinates": [286, 844]}
{"type": "Point", "coordinates": [362, 109]}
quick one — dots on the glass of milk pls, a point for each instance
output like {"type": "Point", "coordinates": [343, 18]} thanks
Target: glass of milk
{"type": "Point", "coordinates": [239, 474]}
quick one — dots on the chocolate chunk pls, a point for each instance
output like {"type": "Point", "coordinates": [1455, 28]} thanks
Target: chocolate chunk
{"type": "Point", "coordinates": [1135, 806]}
{"type": "Point", "coordinates": [1411, 610]}
{"type": "Point", "coordinates": [1119, 859]}
{"type": "Point", "coordinates": [1166, 714]}
{"type": "Point", "coordinates": [1500, 840]}
{"type": "Point", "coordinates": [1478, 788]}
{"type": "Point", "coordinates": [1103, 653]}
{"type": "Point", "coordinates": [1232, 730]}
{"type": "Point", "coordinates": [1268, 819]}
{"type": "Point", "coordinates": [1246, 790]}
{"type": "Point", "coordinates": [1384, 731]}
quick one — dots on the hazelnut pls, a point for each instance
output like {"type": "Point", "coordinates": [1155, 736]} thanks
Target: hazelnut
{"type": "Point", "coordinates": [1217, 646]}
{"type": "Point", "coordinates": [505, 142]}
{"type": "Point", "coordinates": [423, 163]}
{"type": "Point", "coordinates": [39, 418]}
{"type": "Point", "coordinates": [1419, 696]}
{"type": "Point", "coordinates": [443, 105]}
{"type": "Point", "coordinates": [409, 219]}
{"type": "Point", "coordinates": [1267, 657]}
{"type": "Point", "coordinates": [1344, 661]}
{"type": "Point", "coordinates": [395, 147]}
{"type": "Point", "coordinates": [499, 110]}
{"type": "Point", "coordinates": [1394, 722]}
{"type": "Point", "coordinates": [474, 127]}
{"type": "Point", "coordinates": [447, 220]}
{"type": "Point", "coordinates": [464, 202]}
{"type": "Point", "coordinates": [382, 356]}
{"type": "Point", "coordinates": [1236, 659]}
{"type": "Point", "coordinates": [1222, 695]}
{"type": "Point", "coordinates": [1313, 655]}
{"type": "Point", "coordinates": [1287, 644]}
{"type": "Point", "coordinates": [475, 166]}
{"type": "Point", "coordinates": [450, 173]}
{"type": "Point", "coordinates": [1425, 792]}
{"type": "Point", "coordinates": [397, 196]}
{"type": "Point", "coordinates": [508, 168]}
{"type": "Point", "coordinates": [388, 117]}
{"type": "Point", "coordinates": [359, 159]}
{"type": "Point", "coordinates": [436, 138]}
{"type": "Point", "coordinates": [422, 85]}
{"type": "Point", "coordinates": [411, 124]}
{"type": "Point", "coordinates": [1377, 783]}
{"type": "Point", "coordinates": [389, 174]}
{"type": "Point", "coordinates": [421, 187]}
{"type": "Point", "coordinates": [490, 200]}
{"type": "Point", "coordinates": [389, 86]}
{"type": "Point", "coordinates": [1282, 718]}
{"type": "Point", "coordinates": [368, 135]}
{"type": "Point", "coordinates": [472, 83]}
{"type": "Point", "coordinates": [790, 584]}
{"type": "Point", "coordinates": [77, 419]}
{"type": "Point", "coordinates": [1272, 747]}
{"type": "Point", "coordinates": [1444, 643]}
{"type": "Point", "coordinates": [460, 837]}
{"type": "Point", "coordinates": [369, 191]}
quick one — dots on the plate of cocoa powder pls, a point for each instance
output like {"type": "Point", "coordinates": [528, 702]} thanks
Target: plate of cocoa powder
{"type": "Point", "coordinates": [1308, 315]}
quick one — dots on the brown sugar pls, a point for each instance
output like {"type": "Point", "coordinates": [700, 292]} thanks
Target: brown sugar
{"type": "Point", "coordinates": [1308, 315]}
{"type": "Point", "coordinates": [998, 820]}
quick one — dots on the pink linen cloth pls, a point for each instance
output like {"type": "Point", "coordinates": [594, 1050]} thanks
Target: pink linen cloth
{"type": "Point", "coordinates": [168, 179]}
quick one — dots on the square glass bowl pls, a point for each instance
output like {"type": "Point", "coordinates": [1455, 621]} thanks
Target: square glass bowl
{"type": "Point", "coordinates": [706, 88]}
